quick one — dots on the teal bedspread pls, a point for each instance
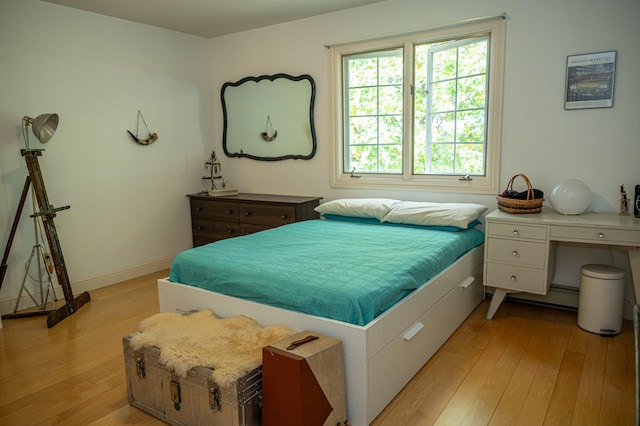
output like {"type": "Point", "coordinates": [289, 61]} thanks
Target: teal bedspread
{"type": "Point", "coordinates": [351, 272]}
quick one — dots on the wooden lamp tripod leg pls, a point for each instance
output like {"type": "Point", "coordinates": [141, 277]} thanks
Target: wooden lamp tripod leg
{"type": "Point", "coordinates": [47, 212]}
{"type": "Point", "coordinates": [14, 227]}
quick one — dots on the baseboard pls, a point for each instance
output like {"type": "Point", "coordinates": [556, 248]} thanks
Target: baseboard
{"type": "Point", "coordinates": [559, 296]}
{"type": "Point", "coordinates": [8, 305]}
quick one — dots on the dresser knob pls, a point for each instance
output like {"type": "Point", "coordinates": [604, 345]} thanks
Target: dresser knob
{"type": "Point", "coordinates": [198, 209]}
{"type": "Point", "coordinates": [513, 278]}
{"type": "Point", "coordinates": [230, 231]}
{"type": "Point", "coordinates": [284, 217]}
{"type": "Point", "coordinates": [515, 232]}
{"type": "Point", "coordinates": [229, 211]}
{"type": "Point", "coordinates": [200, 228]}
{"type": "Point", "coordinates": [600, 235]}
{"type": "Point", "coordinates": [514, 253]}
{"type": "Point", "coordinates": [247, 214]}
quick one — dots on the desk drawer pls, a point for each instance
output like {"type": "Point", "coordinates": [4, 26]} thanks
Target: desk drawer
{"type": "Point", "coordinates": [595, 235]}
{"type": "Point", "coordinates": [516, 251]}
{"type": "Point", "coordinates": [516, 230]}
{"type": "Point", "coordinates": [518, 278]}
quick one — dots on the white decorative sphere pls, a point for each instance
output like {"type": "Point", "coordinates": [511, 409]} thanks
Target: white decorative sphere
{"type": "Point", "coordinates": [571, 196]}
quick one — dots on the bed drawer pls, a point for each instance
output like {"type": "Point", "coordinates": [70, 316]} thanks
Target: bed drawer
{"type": "Point", "coordinates": [216, 210]}
{"type": "Point", "coordinates": [267, 214]}
{"type": "Point", "coordinates": [413, 347]}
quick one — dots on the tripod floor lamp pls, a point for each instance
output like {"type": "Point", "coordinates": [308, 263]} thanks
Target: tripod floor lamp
{"type": "Point", "coordinates": [43, 127]}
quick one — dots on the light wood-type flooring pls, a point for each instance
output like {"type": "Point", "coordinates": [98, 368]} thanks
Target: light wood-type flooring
{"type": "Point", "coordinates": [530, 365]}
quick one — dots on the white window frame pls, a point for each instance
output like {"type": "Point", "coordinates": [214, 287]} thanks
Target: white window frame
{"type": "Point", "coordinates": [487, 184]}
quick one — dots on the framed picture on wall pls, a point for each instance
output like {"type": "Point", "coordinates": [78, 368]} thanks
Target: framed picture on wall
{"type": "Point", "coordinates": [590, 80]}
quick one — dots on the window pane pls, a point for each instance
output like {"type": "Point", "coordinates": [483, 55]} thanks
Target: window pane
{"type": "Point", "coordinates": [455, 107]}
{"type": "Point", "coordinates": [364, 158]}
{"type": "Point", "coordinates": [442, 158]}
{"type": "Point", "coordinates": [444, 65]}
{"type": "Point", "coordinates": [471, 92]}
{"type": "Point", "coordinates": [363, 101]}
{"type": "Point", "coordinates": [391, 100]}
{"type": "Point", "coordinates": [443, 127]}
{"type": "Point", "coordinates": [363, 130]}
{"type": "Point", "coordinates": [469, 158]}
{"type": "Point", "coordinates": [391, 130]}
{"type": "Point", "coordinates": [444, 96]}
{"type": "Point", "coordinates": [470, 126]}
{"type": "Point", "coordinates": [374, 94]}
{"type": "Point", "coordinates": [391, 69]}
{"type": "Point", "coordinates": [390, 159]}
{"type": "Point", "coordinates": [363, 72]}
{"type": "Point", "coordinates": [473, 59]}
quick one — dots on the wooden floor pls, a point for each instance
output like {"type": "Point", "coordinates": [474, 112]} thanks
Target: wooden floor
{"type": "Point", "coordinates": [528, 366]}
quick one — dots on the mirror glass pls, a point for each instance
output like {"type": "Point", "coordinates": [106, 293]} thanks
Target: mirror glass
{"type": "Point", "coordinates": [269, 117]}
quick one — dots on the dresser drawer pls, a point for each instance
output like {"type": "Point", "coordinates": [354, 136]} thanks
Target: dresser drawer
{"type": "Point", "coordinates": [516, 251]}
{"type": "Point", "coordinates": [252, 228]}
{"type": "Point", "coordinates": [516, 230]}
{"type": "Point", "coordinates": [267, 214]}
{"type": "Point", "coordinates": [595, 235]}
{"type": "Point", "coordinates": [218, 210]}
{"type": "Point", "coordinates": [517, 278]}
{"type": "Point", "coordinates": [214, 229]}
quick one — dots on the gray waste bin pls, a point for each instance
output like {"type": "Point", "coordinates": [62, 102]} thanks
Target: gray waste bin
{"type": "Point", "coordinates": [601, 299]}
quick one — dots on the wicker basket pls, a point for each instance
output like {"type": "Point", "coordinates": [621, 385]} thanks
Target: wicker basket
{"type": "Point", "coordinates": [517, 206]}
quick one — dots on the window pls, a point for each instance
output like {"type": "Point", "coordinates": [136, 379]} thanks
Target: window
{"type": "Point", "coordinates": [422, 110]}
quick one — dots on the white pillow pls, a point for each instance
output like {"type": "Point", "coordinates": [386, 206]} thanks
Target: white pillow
{"type": "Point", "coordinates": [459, 215]}
{"type": "Point", "coordinates": [358, 207]}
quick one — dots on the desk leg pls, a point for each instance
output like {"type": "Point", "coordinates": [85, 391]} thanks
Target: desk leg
{"type": "Point", "coordinates": [634, 264]}
{"type": "Point", "coordinates": [498, 297]}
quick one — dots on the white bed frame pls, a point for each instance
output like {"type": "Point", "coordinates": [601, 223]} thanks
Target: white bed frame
{"type": "Point", "coordinates": [380, 357]}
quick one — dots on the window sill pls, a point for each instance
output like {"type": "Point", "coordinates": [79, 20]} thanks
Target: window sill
{"type": "Point", "coordinates": [477, 185]}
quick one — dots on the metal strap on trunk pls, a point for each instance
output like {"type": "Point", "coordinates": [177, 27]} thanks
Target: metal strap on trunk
{"type": "Point", "coordinates": [175, 391]}
{"type": "Point", "coordinates": [141, 372]}
{"type": "Point", "coordinates": [215, 396]}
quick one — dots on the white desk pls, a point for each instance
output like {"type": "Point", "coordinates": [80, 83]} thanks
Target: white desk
{"type": "Point", "coordinates": [520, 248]}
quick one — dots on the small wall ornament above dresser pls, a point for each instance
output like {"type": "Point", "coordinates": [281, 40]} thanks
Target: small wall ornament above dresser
{"type": "Point", "coordinates": [150, 139]}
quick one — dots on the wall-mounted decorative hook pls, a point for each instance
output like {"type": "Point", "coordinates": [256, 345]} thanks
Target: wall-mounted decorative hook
{"type": "Point", "coordinates": [152, 136]}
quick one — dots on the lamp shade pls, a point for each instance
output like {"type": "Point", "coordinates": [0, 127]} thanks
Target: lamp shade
{"type": "Point", "coordinates": [44, 126]}
{"type": "Point", "coordinates": [571, 196]}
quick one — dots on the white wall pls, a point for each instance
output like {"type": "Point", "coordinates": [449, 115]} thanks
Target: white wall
{"type": "Point", "coordinates": [129, 214]}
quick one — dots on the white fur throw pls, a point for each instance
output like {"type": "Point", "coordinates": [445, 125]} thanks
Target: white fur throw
{"type": "Point", "coordinates": [230, 346]}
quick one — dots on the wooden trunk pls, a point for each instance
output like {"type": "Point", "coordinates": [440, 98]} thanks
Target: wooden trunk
{"type": "Point", "coordinates": [192, 400]}
{"type": "Point", "coordinates": [303, 381]}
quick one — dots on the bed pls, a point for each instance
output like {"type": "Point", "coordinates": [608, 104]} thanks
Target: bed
{"type": "Point", "coordinates": [388, 335]}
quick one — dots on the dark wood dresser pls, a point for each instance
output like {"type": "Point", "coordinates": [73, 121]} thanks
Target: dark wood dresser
{"type": "Point", "coordinates": [216, 218]}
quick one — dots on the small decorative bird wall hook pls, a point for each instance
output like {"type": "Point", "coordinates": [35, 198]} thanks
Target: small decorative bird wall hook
{"type": "Point", "coordinates": [152, 136]}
